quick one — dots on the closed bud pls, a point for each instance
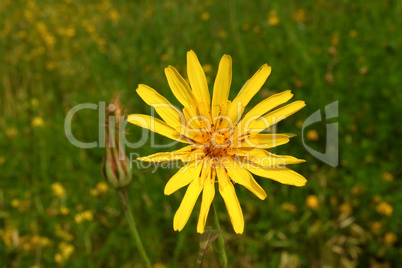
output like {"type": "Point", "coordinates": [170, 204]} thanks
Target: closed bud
{"type": "Point", "coordinates": [116, 166]}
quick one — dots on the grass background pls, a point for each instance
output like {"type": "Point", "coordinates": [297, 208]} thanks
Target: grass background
{"type": "Point", "coordinates": [57, 54]}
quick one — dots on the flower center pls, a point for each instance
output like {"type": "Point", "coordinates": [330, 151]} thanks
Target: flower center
{"type": "Point", "coordinates": [218, 144]}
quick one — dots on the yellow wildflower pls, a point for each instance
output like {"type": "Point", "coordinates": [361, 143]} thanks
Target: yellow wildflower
{"type": "Point", "coordinates": [245, 27]}
{"type": "Point", "coordinates": [386, 176]}
{"type": "Point", "coordinates": [2, 160]}
{"type": "Point", "coordinates": [345, 208]}
{"type": "Point", "coordinates": [312, 135]}
{"type": "Point", "coordinates": [64, 210]}
{"type": "Point", "coordinates": [65, 251]}
{"type": "Point", "coordinates": [114, 16]}
{"type": "Point", "coordinates": [353, 33]}
{"type": "Point", "coordinates": [390, 238]}
{"type": "Point", "coordinates": [165, 57]}
{"type": "Point", "coordinates": [37, 121]}
{"type": "Point", "coordinates": [102, 187]}
{"type": "Point", "coordinates": [375, 227]}
{"type": "Point", "coordinates": [205, 16]}
{"type": "Point", "coordinates": [58, 189]}
{"type": "Point", "coordinates": [358, 189]}
{"type": "Point", "coordinates": [85, 215]}
{"type": "Point", "coordinates": [207, 68]}
{"type": "Point", "coordinates": [299, 15]}
{"type": "Point", "coordinates": [11, 132]}
{"type": "Point", "coordinates": [221, 145]}
{"type": "Point", "coordinates": [384, 208]}
{"type": "Point", "coordinates": [288, 207]}
{"type": "Point", "coordinates": [15, 203]}
{"type": "Point", "coordinates": [273, 18]}
{"type": "Point", "coordinates": [312, 201]}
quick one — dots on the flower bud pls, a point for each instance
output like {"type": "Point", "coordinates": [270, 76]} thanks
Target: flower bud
{"type": "Point", "coordinates": [116, 166]}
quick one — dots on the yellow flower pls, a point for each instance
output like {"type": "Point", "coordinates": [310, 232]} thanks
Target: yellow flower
{"type": "Point", "coordinates": [85, 215]}
{"type": "Point", "coordinates": [65, 251]}
{"type": "Point", "coordinates": [345, 208]}
{"type": "Point", "coordinates": [288, 207]}
{"type": "Point", "coordinates": [207, 68]}
{"type": "Point", "coordinates": [11, 133]}
{"type": "Point", "coordinates": [312, 201]}
{"type": "Point", "coordinates": [390, 238]}
{"type": "Point", "coordinates": [2, 160]}
{"type": "Point", "coordinates": [58, 189]}
{"type": "Point", "coordinates": [64, 210]}
{"type": "Point", "coordinates": [384, 208]}
{"type": "Point", "coordinates": [375, 227]}
{"type": "Point", "coordinates": [205, 16]}
{"type": "Point", "coordinates": [386, 176]}
{"type": "Point", "coordinates": [273, 18]}
{"type": "Point", "coordinates": [37, 122]}
{"type": "Point", "coordinates": [114, 16]}
{"type": "Point", "coordinates": [312, 135]}
{"type": "Point", "coordinates": [102, 187]}
{"type": "Point", "coordinates": [221, 145]}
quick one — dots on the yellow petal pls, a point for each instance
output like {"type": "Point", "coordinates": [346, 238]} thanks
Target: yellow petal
{"type": "Point", "coordinates": [264, 106]}
{"type": "Point", "coordinates": [263, 140]}
{"type": "Point", "coordinates": [187, 204]}
{"type": "Point", "coordinates": [197, 79]}
{"type": "Point", "coordinates": [170, 114]}
{"type": "Point", "coordinates": [282, 175]}
{"type": "Point", "coordinates": [157, 126]}
{"type": "Point", "coordinates": [263, 159]}
{"type": "Point", "coordinates": [274, 117]}
{"type": "Point", "coordinates": [181, 89]}
{"type": "Point", "coordinates": [228, 194]}
{"type": "Point", "coordinates": [185, 154]}
{"type": "Point", "coordinates": [247, 93]}
{"type": "Point", "coordinates": [184, 176]}
{"type": "Point", "coordinates": [241, 176]}
{"type": "Point", "coordinates": [208, 194]}
{"type": "Point", "coordinates": [222, 85]}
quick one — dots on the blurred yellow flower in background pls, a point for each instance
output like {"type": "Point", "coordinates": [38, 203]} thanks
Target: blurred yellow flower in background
{"type": "Point", "coordinates": [273, 18]}
{"type": "Point", "coordinates": [384, 208]}
{"type": "Point", "coordinates": [114, 16]}
{"type": "Point", "coordinates": [207, 68]}
{"type": "Point", "coordinates": [64, 210]}
{"type": "Point", "coordinates": [346, 208]}
{"type": "Point", "coordinates": [375, 227]}
{"type": "Point", "coordinates": [386, 176]}
{"type": "Point", "coordinates": [312, 135]}
{"type": "Point", "coordinates": [312, 201]}
{"type": "Point", "coordinates": [11, 132]}
{"type": "Point", "coordinates": [299, 15]}
{"type": "Point", "coordinates": [86, 215]}
{"type": "Point", "coordinates": [65, 251]}
{"type": "Point", "coordinates": [390, 238]}
{"type": "Point", "coordinates": [288, 207]}
{"type": "Point", "coordinates": [100, 188]}
{"type": "Point", "coordinates": [37, 121]}
{"type": "Point", "coordinates": [205, 16]}
{"type": "Point", "coordinates": [58, 189]}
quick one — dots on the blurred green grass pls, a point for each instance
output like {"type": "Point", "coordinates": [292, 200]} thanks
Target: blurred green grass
{"type": "Point", "coordinates": [55, 55]}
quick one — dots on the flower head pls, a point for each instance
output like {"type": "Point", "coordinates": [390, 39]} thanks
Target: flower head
{"type": "Point", "coordinates": [222, 143]}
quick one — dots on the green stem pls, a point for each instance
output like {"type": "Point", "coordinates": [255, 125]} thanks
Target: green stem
{"type": "Point", "coordinates": [131, 222]}
{"type": "Point", "coordinates": [219, 244]}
